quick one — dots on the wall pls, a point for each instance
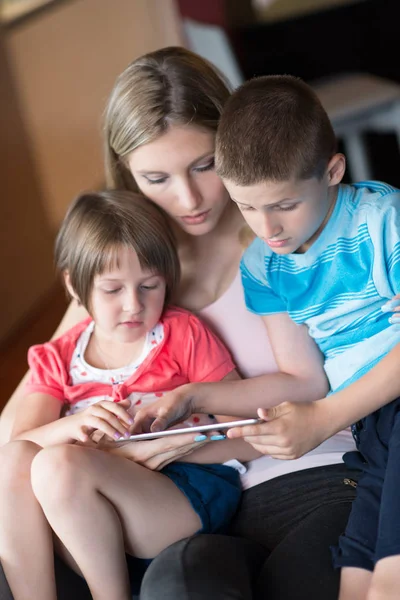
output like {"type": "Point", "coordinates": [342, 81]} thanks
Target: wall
{"type": "Point", "coordinates": [56, 71]}
{"type": "Point", "coordinates": [64, 63]}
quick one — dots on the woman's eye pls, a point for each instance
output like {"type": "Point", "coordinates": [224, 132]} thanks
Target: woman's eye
{"type": "Point", "coordinates": [149, 287]}
{"type": "Point", "coordinates": [156, 181]}
{"type": "Point", "coordinates": [207, 167]}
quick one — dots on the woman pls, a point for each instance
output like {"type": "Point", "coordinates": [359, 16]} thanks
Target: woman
{"type": "Point", "coordinates": [160, 125]}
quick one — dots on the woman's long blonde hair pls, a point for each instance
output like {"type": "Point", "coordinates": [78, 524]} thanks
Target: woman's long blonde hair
{"type": "Point", "coordinates": [171, 86]}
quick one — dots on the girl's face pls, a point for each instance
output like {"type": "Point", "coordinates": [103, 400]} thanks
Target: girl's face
{"type": "Point", "coordinates": [176, 171]}
{"type": "Point", "coordinates": [126, 301]}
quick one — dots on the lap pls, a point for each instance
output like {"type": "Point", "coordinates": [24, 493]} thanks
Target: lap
{"type": "Point", "coordinates": [279, 545]}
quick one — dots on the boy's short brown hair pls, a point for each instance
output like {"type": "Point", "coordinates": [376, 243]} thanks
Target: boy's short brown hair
{"type": "Point", "coordinates": [97, 224]}
{"type": "Point", "coordinates": [273, 128]}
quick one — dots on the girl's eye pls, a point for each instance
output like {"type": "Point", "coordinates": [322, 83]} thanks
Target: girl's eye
{"type": "Point", "coordinates": [113, 291]}
{"type": "Point", "coordinates": [206, 167]}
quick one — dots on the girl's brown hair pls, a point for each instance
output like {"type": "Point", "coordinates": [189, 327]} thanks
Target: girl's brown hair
{"type": "Point", "coordinates": [98, 223]}
{"type": "Point", "coordinates": [171, 86]}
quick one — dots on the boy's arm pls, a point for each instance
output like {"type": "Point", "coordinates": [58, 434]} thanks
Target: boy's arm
{"type": "Point", "coordinates": [300, 378]}
{"type": "Point", "coordinates": [292, 430]}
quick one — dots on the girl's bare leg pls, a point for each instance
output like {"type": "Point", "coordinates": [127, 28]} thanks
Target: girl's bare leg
{"type": "Point", "coordinates": [26, 547]}
{"type": "Point", "coordinates": [354, 583]}
{"type": "Point", "coordinates": [101, 505]}
{"type": "Point", "coordinates": [385, 583]}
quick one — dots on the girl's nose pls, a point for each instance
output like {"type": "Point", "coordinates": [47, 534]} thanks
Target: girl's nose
{"type": "Point", "coordinates": [132, 302]}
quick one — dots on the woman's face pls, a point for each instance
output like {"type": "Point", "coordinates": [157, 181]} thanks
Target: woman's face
{"type": "Point", "coordinates": [176, 171]}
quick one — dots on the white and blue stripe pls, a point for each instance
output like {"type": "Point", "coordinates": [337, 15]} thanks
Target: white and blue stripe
{"type": "Point", "coordinates": [338, 286]}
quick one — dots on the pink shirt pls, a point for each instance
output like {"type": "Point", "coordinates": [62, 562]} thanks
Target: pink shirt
{"type": "Point", "coordinates": [188, 352]}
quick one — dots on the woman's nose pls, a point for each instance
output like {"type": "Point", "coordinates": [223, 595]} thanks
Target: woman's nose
{"type": "Point", "coordinates": [189, 196]}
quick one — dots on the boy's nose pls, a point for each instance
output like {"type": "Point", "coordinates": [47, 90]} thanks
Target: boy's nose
{"type": "Point", "coordinates": [270, 227]}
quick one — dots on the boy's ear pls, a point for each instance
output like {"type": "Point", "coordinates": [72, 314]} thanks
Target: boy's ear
{"type": "Point", "coordinates": [71, 291]}
{"type": "Point", "coordinates": [336, 168]}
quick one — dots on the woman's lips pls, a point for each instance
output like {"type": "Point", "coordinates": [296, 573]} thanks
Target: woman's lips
{"type": "Point", "coordinates": [196, 219]}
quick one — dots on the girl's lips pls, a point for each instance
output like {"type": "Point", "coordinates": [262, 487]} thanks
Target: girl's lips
{"type": "Point", "coordinates": [196, 219]}
{"type": "Point", "coordinates": [131, 324]}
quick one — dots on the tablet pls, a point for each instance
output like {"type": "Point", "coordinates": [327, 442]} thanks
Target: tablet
{"type": "Point", "coordinates": [200, 428]}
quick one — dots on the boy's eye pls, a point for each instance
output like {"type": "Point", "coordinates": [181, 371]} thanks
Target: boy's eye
{"type": "Point", "coordinates": [245, 208]}
{"type": "Point", "coordinates": [291, 207]}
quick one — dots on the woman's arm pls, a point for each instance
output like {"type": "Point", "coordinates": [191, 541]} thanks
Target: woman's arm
{"type": "Point", "coordinates": [300, 378]}
{"type": "Point", "coordinates": [291, 429]}
{"type": "Point", "coordinates": [73, 315]}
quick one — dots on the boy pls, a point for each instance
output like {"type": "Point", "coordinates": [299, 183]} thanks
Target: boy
{"type": "Point", "coordinates": [328, 255]}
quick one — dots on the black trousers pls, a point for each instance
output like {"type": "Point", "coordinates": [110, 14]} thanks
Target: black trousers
{"type": "Point", "coordinates": [281, 550]}
{"type": "Point", "coordinates": [278, 547]}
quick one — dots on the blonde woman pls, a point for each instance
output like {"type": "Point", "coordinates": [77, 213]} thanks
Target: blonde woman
{"type": "Point", "coordinates": [159, 133]}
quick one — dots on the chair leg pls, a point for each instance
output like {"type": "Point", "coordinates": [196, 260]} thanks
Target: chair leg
{"type": "Point", "coordinates": [356, 152]}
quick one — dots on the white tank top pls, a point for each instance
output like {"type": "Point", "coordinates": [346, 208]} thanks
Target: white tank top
{"type": "Point", "coordinates": [243, 332]}
{"type": "Point", "coordinates": [245, 335]}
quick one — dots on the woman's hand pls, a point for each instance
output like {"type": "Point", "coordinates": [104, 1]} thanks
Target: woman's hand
{"type": "Point", "coordinates": [289, 429]}
{"type": "Point", "coordinates": [156, 454]}
{"type": "Point", "coordinates": [102, 418]}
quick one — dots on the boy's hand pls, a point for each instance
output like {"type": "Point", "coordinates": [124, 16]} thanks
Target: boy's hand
{"type": "Point", "coordinates": [174, 407]}
{"type": "Point", "coordinates": [109, 418]}
{"type": "Point", "coordinates": [289, 430]}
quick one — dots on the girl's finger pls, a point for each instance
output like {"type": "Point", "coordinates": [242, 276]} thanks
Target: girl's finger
{"type": "Point", "coordinates": [111, 418]}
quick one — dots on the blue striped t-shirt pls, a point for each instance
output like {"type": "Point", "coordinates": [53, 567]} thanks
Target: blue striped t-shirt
{"type": "Point", "coordinates": [337, 287]}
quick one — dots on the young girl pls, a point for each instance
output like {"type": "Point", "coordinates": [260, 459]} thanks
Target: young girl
{"type": "Point", "coordinates": [118, 259]}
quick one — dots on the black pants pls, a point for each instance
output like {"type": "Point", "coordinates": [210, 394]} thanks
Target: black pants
{"type": "Point", "coordinates": [279, 547]}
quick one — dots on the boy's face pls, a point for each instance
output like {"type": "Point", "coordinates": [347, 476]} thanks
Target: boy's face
{"type": "Point", "coordinates": [289, 215]}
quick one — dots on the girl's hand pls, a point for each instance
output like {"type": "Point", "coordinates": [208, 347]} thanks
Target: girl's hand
{"type": "Point", "coordinates": [289, 430]}
{"type": "Point", "coordinates": [156, 454]}
{"type": "Point", "coordinates": [174, 407]}
{"type": "Point", "coordinates": [393, 306]}
{"type": "Point", "coordinates": [108, 418]}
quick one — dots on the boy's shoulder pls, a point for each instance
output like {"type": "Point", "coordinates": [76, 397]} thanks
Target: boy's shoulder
{"type": "Point", "coordinates": [372, 195]}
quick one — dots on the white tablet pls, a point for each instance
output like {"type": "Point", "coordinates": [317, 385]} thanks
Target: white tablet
{"type": "Point", "coordinates": [200, 428]}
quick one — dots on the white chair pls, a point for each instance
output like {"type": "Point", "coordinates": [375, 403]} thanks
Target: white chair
{"type": "Point", "coordinates": [212, 43]}
{"type": "Point", "coordinates": [355, 102]}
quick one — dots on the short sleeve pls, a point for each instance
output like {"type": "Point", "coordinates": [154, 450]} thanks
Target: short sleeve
{"type": "Point", "coordinates": [205, 356]}
{"type": "Point", "coordinates": [48, 374]}
{"type": "Point", "coordinates": [384, 228]}
{"type": "Point", "coordinates": [258, 294]}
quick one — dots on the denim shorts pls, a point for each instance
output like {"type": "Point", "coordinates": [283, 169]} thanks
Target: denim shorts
{"type": "Point", "coordinates": [213, 490]}
{"type": "Point", "coordinates": [373, 529]}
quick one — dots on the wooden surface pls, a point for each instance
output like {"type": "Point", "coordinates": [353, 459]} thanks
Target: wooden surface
{"type": "Point", "coordinates": [37, 328]}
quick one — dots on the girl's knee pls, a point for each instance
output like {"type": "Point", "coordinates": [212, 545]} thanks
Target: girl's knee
{"type": "Point", "coordinates": [54, 471]}
{"type": "Point", "coordinates": [15, 464]}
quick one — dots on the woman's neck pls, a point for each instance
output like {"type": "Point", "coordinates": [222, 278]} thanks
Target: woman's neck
{"type": "Point", "coordinates": [210, 262]}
